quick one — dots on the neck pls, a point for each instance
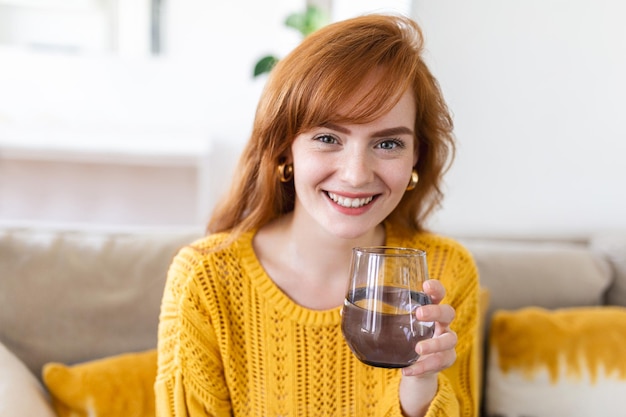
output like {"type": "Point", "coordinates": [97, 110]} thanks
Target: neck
{"type": "Point", "coordinates": [324, 254]}
{"type": "Point", "coordinates": [310, 266]}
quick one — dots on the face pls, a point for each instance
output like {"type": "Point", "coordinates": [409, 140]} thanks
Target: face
{"type": "Point", "coordinates": [349, 178]}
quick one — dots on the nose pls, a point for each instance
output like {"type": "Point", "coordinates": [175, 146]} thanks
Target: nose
{"type": "Point", "coordinates": [357, 168]}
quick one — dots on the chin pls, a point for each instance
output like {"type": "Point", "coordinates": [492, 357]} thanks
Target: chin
{"type": "Point", "coordinates": [350, 233]}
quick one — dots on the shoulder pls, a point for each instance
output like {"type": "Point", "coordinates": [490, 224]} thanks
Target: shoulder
{"type": "Point", "coordinates": [436, 244]}
{"type": "Point", "coordinates": [207, 265]}
{"type": "Point", "coordinates": [202, 256]}
{"type": "Point", "coordinates": [443, 253]}
{"type": "Point", "coordinates": [213, 245]}
{"type": "Point", "coordinates": [439, 242]}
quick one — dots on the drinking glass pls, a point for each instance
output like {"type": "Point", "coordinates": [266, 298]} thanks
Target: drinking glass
{"type": "Point", "coordinates": [378, 316]}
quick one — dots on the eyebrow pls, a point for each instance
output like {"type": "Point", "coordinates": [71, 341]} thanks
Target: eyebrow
{"type": "Point", "coordinates": [392, 131]}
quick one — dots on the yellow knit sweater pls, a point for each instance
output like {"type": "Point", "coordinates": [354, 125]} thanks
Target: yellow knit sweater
{"type": "Point", "coordinates": [231, 343]}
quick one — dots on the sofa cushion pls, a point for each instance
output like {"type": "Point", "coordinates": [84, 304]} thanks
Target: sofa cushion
{"type": "Point", "coordinates": [20, 393]}
{"type": "Point", "coordinates": [567, 362]}
{"type": "Point", "coordinates": [119, 385]}
{"type": "Point", "coordinates": [544, 274]}
{"type": "Point", "coordinates": [74, 295]}
{"type": "Point", "coordinates": [613, 246]}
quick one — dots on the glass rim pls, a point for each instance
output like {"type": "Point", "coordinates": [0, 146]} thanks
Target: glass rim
{"type": "Point", "coordinates": [389, 250]}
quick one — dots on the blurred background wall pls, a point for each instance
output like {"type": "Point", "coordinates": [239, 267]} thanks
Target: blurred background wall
{"type": "Point", "coordinates": [141, 121]}
{"type": "Point", "coordinates": [538, 93]}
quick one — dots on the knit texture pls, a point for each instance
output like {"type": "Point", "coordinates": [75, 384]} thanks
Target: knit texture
{"type": "Point", "coordinates": [232, 343]}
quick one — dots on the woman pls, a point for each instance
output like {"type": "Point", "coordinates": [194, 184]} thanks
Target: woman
{"type": "Point", "coordinates": [349, 144]}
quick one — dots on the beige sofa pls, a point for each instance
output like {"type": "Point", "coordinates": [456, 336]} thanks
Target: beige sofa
{"type": "Point", "coordinates": [73, 295]}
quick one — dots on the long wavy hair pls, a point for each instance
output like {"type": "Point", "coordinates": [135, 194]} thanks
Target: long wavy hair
{"type": "Point", "coordinates": [306, 89]}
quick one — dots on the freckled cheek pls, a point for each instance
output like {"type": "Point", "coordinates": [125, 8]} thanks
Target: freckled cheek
{"type": "Point", "coordinates": [309, 173]}
{"type": "Point", "coordinates": [397, 179]}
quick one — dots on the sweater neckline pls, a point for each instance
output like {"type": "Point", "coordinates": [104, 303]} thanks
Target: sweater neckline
{"type": "Point", "coordinates": [268, 289]}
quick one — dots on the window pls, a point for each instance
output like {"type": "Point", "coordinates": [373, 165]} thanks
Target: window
{"type": "Point", "coordinates": [81, 26]}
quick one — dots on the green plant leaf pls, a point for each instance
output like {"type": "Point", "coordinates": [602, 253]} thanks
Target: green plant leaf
{"type": "Point", "coordinates": [308, 21]}
{"type": "Point", "coordinates": [265, 65]}
{"type": "Point", "coordinates": [305, 22]}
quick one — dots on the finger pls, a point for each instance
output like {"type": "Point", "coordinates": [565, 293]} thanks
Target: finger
{"type": "Point", "coordinates": [441, 313]}
{"type": "Point", "coordinates": [432, 363]}
{"type": "Point", "coordinates": [435, 290]}
{"type": "Point", "coordinates": [441, 343]}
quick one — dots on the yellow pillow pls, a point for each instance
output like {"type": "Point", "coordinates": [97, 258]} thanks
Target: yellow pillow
{"type": "Point", "coordinates": [567, 362]}
{"type": "Point", "coordinates": [121, 385]}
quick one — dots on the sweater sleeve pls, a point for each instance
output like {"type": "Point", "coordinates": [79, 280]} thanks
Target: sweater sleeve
{"type": "Point", "coordinates": [190, 378]}
{"type": "Point", "coordinates": [459, 385]}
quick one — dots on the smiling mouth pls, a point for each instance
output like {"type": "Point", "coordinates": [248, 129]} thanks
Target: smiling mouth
{"type": "Point", "coordinates": [350, 202]}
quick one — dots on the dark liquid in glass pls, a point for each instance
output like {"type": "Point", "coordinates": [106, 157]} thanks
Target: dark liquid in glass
{"type": "Point", "coordinates": [385, 338]}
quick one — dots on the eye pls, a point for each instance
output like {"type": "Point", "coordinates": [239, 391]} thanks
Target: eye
{"type": "Point", "coordinates": [326, 139]}
{"type": "Point", "coordinates": [390, 144]}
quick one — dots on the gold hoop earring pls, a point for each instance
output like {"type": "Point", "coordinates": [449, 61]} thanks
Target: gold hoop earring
{"type": "Point", "coordinates": [413, 181]}
{"type": "Point", "coordinates": [285, 172]}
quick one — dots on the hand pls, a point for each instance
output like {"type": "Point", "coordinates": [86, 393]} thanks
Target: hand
{"type": "Point", "coordinates": [438, 353]}
{"type": "Point", "coordinates": [419, 382]}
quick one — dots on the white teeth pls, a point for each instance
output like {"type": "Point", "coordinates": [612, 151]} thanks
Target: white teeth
{"type": "Point", "coordinates": [350, 202]}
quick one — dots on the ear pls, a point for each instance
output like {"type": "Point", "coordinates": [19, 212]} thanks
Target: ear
{"type": "Point", "coordinates": [286, 157]}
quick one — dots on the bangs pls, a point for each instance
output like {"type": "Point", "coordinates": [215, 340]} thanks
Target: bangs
{"type": "Point", "coordinates": [348, 98]}
{"type": "Point", "coordinates": [347, 80]}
